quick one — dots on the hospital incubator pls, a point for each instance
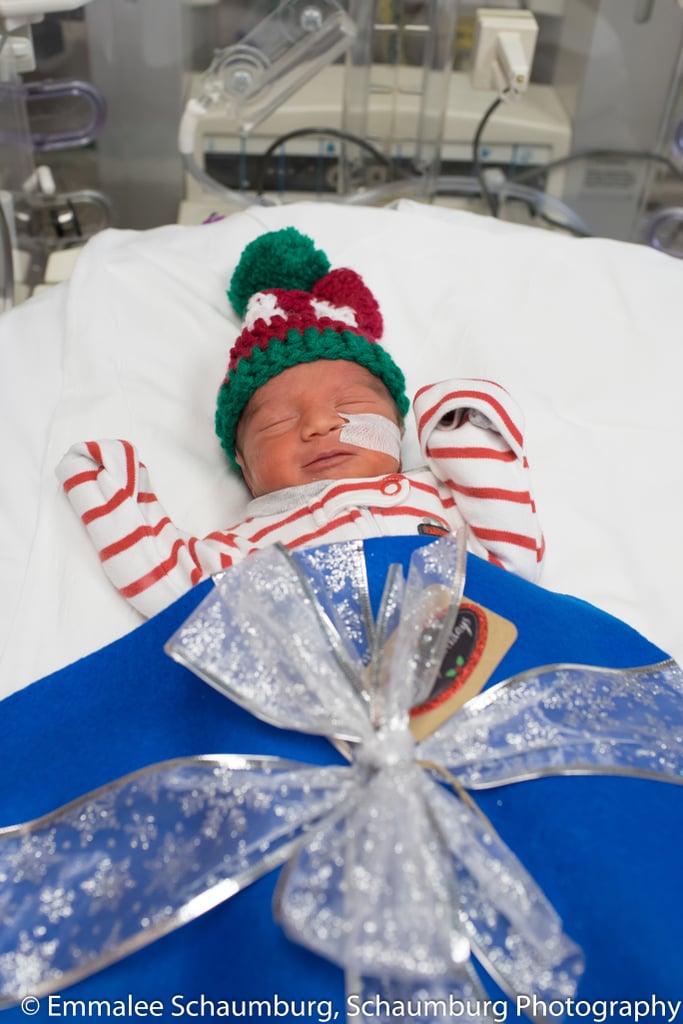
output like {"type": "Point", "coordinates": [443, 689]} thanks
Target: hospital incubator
{"type": "Point", "coordinates": [564, 114]}
{"type": "Point", "coordinates": [455, 155]}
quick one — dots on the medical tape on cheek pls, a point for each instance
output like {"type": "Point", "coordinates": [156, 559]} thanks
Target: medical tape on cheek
{"type": "Point", "coordinates": [369, 430]}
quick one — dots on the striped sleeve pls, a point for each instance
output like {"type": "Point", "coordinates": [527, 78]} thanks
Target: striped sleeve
{"type": "Point", "coordinates": [471, 436]}
{"type": "Point", "coordinates": [146, 557]}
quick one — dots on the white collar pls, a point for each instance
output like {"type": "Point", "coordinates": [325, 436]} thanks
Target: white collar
{"type": "Point", "coordinates": [287, 498]}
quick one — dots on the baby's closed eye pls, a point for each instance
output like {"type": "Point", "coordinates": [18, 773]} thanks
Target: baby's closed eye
{"type": "Point", "coordinates": [273, 422]}
{"type": "Point", "coordinates": [358, 403]}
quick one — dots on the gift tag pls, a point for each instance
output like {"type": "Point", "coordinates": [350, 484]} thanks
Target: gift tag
{"type": "Point", "coordinates": [479, 640]}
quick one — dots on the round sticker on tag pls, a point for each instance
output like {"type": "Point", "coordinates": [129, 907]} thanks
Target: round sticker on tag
{"type": "Point", "coordinates": [465, 648]}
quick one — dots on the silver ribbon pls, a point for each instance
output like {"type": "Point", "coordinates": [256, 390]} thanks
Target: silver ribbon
{"type": "Point", "coordinates": [388, 873]}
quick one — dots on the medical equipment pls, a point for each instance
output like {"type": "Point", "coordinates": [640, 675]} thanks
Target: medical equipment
{"type": "Point", "coordinates": [589, 145]}
{"type": "Point", "coordinates": [414, 121]}
{"type": "Point", "coordinates": [623, 106]}
{"type": "Point", "coordinates": [37, 117]}
{"type": "Point", "coordinates": [587, 139]}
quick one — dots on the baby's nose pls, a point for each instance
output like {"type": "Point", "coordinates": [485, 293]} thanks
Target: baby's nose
{"type": "Point", "coordinates": [321, 420]}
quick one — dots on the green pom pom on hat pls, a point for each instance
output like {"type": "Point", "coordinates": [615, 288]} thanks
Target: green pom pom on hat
{"type": "Point", "coordinates": [284, 259]}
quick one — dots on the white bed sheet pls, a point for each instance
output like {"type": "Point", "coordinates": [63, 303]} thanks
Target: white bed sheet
{"type": "Point", "coordinates": [585, 334]}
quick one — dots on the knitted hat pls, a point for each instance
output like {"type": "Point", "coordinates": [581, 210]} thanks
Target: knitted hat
{"type": "Point", "coordinates": [297, 310]}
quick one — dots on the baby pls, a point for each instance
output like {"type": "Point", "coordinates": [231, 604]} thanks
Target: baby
{"type": "Point", "coordinates": [311, 413]}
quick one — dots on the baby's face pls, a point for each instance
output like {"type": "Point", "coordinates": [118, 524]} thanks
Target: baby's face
{"type": "Point", "coordinates": [289, 432]}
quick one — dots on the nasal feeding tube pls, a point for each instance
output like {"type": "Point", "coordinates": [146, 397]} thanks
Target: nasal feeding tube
{"type": "Point", "coordinates": [372, 431]}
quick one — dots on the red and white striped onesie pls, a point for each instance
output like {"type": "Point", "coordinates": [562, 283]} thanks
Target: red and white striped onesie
{"type": "Point", "coordinates": [476, 472]}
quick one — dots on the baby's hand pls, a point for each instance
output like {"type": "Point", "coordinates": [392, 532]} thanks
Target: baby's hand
{"type": "Point", "coordinates": [455, 417]}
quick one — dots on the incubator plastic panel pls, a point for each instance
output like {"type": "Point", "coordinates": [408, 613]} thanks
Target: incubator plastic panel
{"type": "Point", "coordinates": [186, 109]}
{"type": "Point", "coordinates": [47, 127]}
{"type": "Point", "coordinates": [618, 76]}
{"type": "Point", "coordinates": [396, 117]}
{"type": "Point", "coordinates": [594, 89]}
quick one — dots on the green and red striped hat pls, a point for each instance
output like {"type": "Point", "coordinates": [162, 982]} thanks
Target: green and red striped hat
{"type": "Point", "coordinates": [297, 310]}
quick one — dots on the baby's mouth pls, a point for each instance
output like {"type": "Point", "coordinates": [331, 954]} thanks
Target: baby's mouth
{"type": "Point", "coordinates": [331, 458]}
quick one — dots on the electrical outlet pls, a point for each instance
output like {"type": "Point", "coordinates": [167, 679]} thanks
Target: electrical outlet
{"type": "Point", "coordinates": [504, 44]}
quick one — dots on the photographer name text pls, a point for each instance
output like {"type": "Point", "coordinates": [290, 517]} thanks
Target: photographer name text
{"type": "Point", "coordinates": [322, 1011]}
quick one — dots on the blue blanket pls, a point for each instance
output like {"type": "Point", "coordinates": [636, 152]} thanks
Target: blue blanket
{"type": "Point", "coordinates": [606, 851]}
